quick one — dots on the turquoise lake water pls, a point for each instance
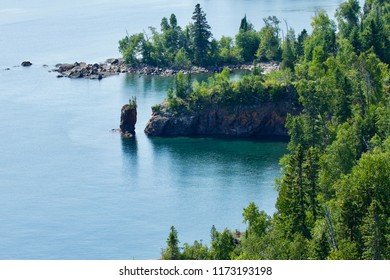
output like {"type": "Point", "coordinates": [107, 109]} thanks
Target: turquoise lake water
{"type": "Point", "coordinates": [72, 189]}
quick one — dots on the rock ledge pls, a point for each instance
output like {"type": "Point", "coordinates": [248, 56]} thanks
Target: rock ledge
{"type": "Point", "coordinates": [266, 120]}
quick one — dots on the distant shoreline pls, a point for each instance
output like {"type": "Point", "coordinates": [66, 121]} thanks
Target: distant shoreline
{"type": "Point", "coordinates": [115, 66]}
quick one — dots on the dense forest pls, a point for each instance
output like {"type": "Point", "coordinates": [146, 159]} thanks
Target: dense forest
{"type": "Point", "coordinates": [334, 191]}
{"type": "Point", "coordinates": [194, 45]}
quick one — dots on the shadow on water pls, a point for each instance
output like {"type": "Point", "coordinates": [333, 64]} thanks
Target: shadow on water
{"type": "Point", "coordinates": [218, 155]}
{"type": "Point", "coordinates": [148, 83]}
{"type": "Point", "coordinates": [130, 151]}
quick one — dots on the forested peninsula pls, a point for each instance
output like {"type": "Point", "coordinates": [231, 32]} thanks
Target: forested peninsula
{"type": "Point", "coordinates": [334, 191]}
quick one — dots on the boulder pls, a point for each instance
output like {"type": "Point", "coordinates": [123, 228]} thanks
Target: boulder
{"type": "Point", "coordinates": [76, 74]}
{"type": "Point", "coordinates": [26, 63]}
{"type": "Point", "coordinates": [65, 67]}
{"type": "Point", "coordinates": [112, 61]}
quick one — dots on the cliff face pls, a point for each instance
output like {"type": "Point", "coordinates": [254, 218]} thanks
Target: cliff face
{"type": "Point", "coordinates": [263, 120]}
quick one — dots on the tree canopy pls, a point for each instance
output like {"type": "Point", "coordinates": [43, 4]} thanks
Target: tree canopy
{"type": "Point", "coordinates": [334, 191]}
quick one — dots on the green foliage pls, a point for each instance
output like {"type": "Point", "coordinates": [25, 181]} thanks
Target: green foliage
{"type": "Point", "coordinates": [289, 52]}
{"type": "Point", "coordinates": [300, 43]}
{"type": "Point", "coordinates": [133, 102]}
{"type": "Point", "coordinates": [197, 251]}
{"type": "Point", "coordinates": [182, 85]}
{"type": "Point", "coordinates": [323, 35]}
{"type": "Point", "coordinates": [181, 47]}
{"type": "Point", "coordinates": [251, 89]}
{"type": "Point", "coordinates": [269, 48]}
{"type": "Point", "coordinates": [346, 251]}
{"type": "Point", "coordinates": [258, 221]}
{"type": "Point", "coordinates": [222, 246]}
{"type": "Point", "coordinates": [228, 54]}
{"type": "Point", "coordinates": [363, 197]}
{"type": "Point", "coordinates": [348, 16]}
{"type": "Point", "coordinates": [156, 108]}
{"type": "Point", "coordinates": [247, 40]}
{"type": "Point", "coordinates": [181, 60]}
{"type": "Point", "coordinates": [375, 31]}
{"type": "Point", "coordinates": [201, 35]}
{"type": "Point", "coordinates": [245, 25]}
{"type": "Point", "coordinates": [172, 252]}
{"type": "Point", "coordinates": [320, 244]}
{"type": "Point", "coordinates": [334, 191]}
{"type": "Point", "coordinates": [293, 203]}
{"type": "Point", "coordinates": [132, 48]}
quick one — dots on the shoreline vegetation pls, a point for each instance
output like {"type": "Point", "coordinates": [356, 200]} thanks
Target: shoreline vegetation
{"type": "Point", "coordinates": [334, 191]}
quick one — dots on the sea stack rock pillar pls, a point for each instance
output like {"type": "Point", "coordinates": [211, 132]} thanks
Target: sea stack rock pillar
{"type": "Point", "coordinates": [129, 118]}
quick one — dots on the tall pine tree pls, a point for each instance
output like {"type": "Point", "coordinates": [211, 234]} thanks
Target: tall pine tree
{"type": "Point", "coordinates": [201, 35]}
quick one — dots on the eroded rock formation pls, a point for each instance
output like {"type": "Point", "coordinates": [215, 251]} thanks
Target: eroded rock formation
{"type": "Point", "coordinates": [128, 120]}
{"type": "Point", "coordinates": [259, 121]}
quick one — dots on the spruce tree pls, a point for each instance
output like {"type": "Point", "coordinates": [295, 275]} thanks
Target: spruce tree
{"type": "Point", "coordinates": [172, 252]}
{"type": "Point", "coordinates": [201, 36]}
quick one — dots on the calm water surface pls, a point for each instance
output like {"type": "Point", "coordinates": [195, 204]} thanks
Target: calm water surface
{"type": "Point", "coordinates": [72, 189]}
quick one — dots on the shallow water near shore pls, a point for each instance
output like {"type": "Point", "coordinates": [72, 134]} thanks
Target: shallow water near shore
{"type": "Point", "coordinates": [72, 189]}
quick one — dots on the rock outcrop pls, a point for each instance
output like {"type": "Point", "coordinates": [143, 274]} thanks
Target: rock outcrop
{"type": "Point", "coordinates": [114, 66]}
{"type": "Point", "coordinates": [26, 63]}
{"type": "Point", "coordinates": [258, 121]}
{"type": "Point", "coordinates": [128, 120]}
{"type": "Point", "coordinates": [88, 71]}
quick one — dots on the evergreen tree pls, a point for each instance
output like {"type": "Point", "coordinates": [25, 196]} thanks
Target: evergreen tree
{"type": "Point", "coordinates": [288, 52]}
{"type": "Point", "coordinates": [172, 252]}
{"type": "Point", "coordinates": [247, 40]}
{"type": "Point", "coordinates": [363, 197]}
{"type": "Point", "coordinates": [375, 34]}
{"type": "Point", "coordinates": [310, 173]}
{"type": "Point", "coordinates": [348, 15]}
{"type": "Point", "coordinates": [201, 36]}
{"type": "Point", "coordinates": [374, 233]}
{"type": "Point", "coordinates": [245, 25]}
{"type": "Point", "coordinates": [292, 200]}
{"type": "Point", "coordinates": [300, 44]}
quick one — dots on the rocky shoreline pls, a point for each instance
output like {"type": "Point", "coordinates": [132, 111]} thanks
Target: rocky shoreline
{"type": "Point", "coordinates": [266, 120]}
{"type": "Point", "coordinates": [115, 66]}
